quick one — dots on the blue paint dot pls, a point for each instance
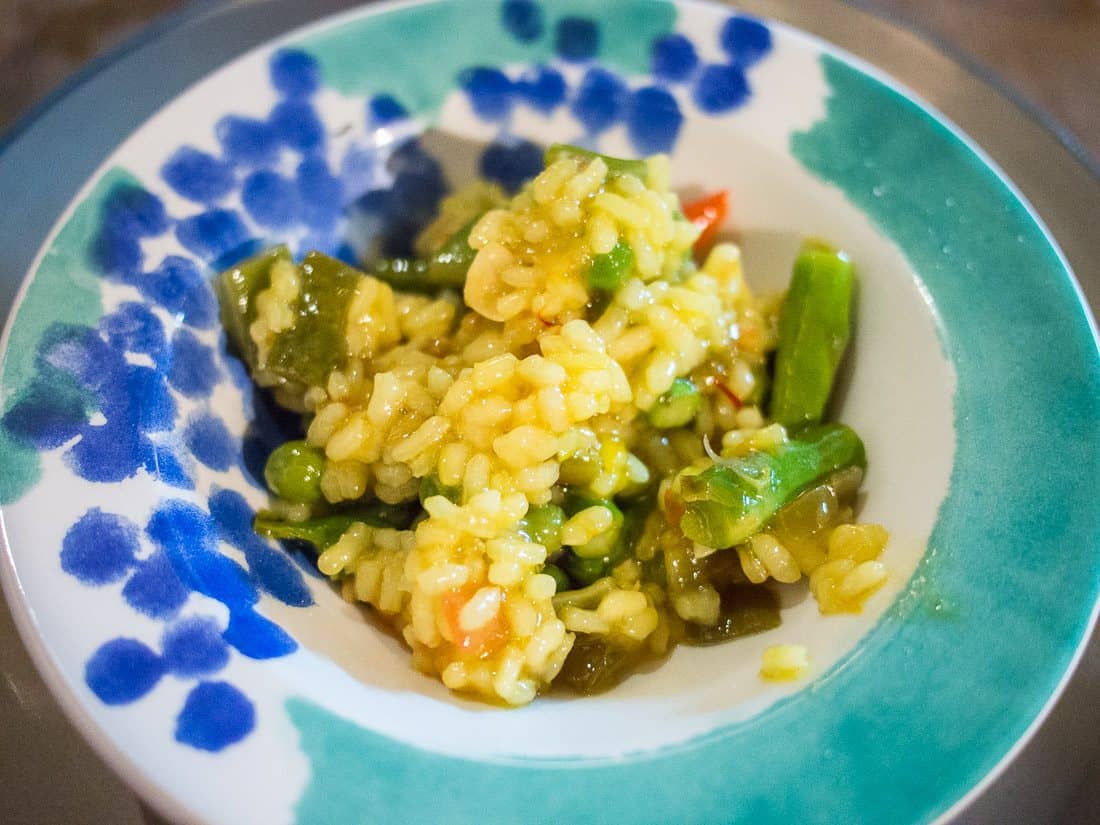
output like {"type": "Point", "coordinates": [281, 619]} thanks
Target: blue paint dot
{"type": "Point", "coordinates": [270, 199]}
{"type": "Point", "coordinates": [194, 647]}
{"type": "Point", "coordinates": [193, 371]}
{"type": "Point", "coordinates": [511, 165]}
{"type": "Point", "coordinates": [80, 352]}
{"type": "Point", "coordinates": [295, 73]}
{"type": "Point", "coordinates": [48, 413]}
{"type": "Point", "coordinates": [133, 327]}
{"type": "Point", "coordinates": [276, 574]}
{"type": "Point", "coordinates": [601, 100]}
{"type": "Point", "coordinates": [154, 589]}
{"type": "Point", "coordinates": [745, 40]}
{"type": "Point", "coordinates": [214, 716]}
{"type": "Point", "coordinates": [576, 38]}
{"type": "Point", "coordinates": [297, 125]}
{"type": "Point", "coordinates": [256, 637]}
{"type": "Point", "coordinates": [198, 176]}
{"type": "Point", "coordinates": [209, 441]}
{"type": "Point", "coordinates": [233, 516]}
{"type": "Point", "coordinates": [132, 210]}
{"type": "Point", "coordinates": [179, 287]}
{"type": "Point", "coordinates": [189, 538]}
{"type": "Point", "coordinates": [149, 403]}
{"type": "Point", "coordinates": [673, 58]}
{"type": "Point", "coordinates": [653, 120]}
{"type": "Point", "coordinates": [100, 548]}
{"type": "Point", "coordinates": [165, 466]}
{"type": "Point", "coordinates": [403, 209]}
{"type": "Point", "coordinates": [108, 453]}
{"type": "Point", "coordinates": [122, 671]}
{"type": "Point", "coordinates": [320, 194]}
{"type": "Point", "coordinates": [116, 253]}
{"type": "Point", "coordinates": [212, 234]}
{"type": "Point", "coordinates": [385, 109]}
{"type": "Point", "coordinates": [522, 19]}
{"type": "Point", "coordinates": [543, 88]}
{"type": "Point", "coordinates": [247, 141]}
{"type": "Point", "coordinates": [490, 92]}
{"type": "Point", "coordinates": [721, 88]}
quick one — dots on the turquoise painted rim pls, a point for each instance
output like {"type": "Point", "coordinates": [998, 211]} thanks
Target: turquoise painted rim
{"type": "Point", "coordinates": [852, 746]}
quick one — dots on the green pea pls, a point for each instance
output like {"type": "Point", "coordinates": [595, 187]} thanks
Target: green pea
{"type": "Point", "coordinates": [610, 270]}
{"type": "Point", "coordinates": [560, 579]}
{"type": "Point", "coordinates": [677, 406]}
{"type": "Point", "coordinates": [584, 572]}
{"type": "Point", "coordinates": [542, 525]}
{"type": "Point", "coordinates": [293, 472]}
{"type": "Point", "coordinates": [606, 542]}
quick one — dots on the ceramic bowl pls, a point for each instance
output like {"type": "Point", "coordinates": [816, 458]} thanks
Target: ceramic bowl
{"type": "Point", "coordinates": [229, 683]}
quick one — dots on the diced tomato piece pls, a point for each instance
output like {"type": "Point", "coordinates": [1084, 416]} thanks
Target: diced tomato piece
{"type": "Point", "coordinates": [707, 213]}
{"type": "Point", "coordinates": [487, 638]}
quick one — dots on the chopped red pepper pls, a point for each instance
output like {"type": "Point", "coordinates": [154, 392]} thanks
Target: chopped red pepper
{"type": "Point", "coordinates": [707, 213]}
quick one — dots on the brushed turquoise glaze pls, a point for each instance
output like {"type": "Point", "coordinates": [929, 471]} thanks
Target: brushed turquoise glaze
{"type": "Point", "coordinates": [374, 54]}
{"type": "Point", "coordinates": [1004, 593]}
{"type": "Point", "coordinates": [65, 289]}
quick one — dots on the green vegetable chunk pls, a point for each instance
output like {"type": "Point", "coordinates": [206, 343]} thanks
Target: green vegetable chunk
{"type": "Point", "coordinates": [542, 525]}
{"type": "Point", "coordinates": [317, 344]}
{"type": "Point", "coordinates": [746, 609]}
{"type": "Point", "coordinates": [293, 472]}
{"type": "Point", "coordinates": [560, 579]}
{"type": "Point", "coordinates": [622, 166]}
{"type": "Point", "coordinates": [677, 406]}
{"type": "Point", "coordinates": [606, 542]}
{"type": "Point", "coordinates": [595, 665]}
{"type": "Point", "coordinates": [324, 531]}
{"type": "Point", "coordinates": [730, 501]}
{"type": "Point", "coordinates": [446, 268]}
{"type": "Point", "coordinates": [432, 486]}
{"type": "Point", "coordinates": [814, 326]}
{"type": "Point", "coordinates": [236, 289]}
{"type": "Point", "coordinates": [609, 271]}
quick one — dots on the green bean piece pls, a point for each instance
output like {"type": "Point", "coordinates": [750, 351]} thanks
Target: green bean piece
{"type": "Point", "coordinates": [324, 531]}
{"type": "Point", "coordinates": [446, 268]}
{"type": "Point", "coordinates": [620, 166]}
{"type": "Point", "coordinates": [293, 472]}
{"type": "Point", "coordinates": [677, 406]}
{"type": "Point", "coordinates": [559, 576]}
{"type": "Point", "coordinates": [542, 525]}
{"type": "Point", "coordinates": [732, 500]}
{"type": "Point", "coordinates": [746, 609]}
{"type": "Point", "coordinates": [432, 486]}
{"type": "Point", "coordinates": [603, 544]}
{"type": "Point", "coordinates": [405, 274]}
{"type": "Point", "coordinates": [316, 344]}
{"type": "Point", "coordinates": [814, 326]}
{"type": "Point", "coordinates": [610, 270]}
{"type": "Point", "coordinates": [236, 289]}
{"type": "Point", "coordinates": [584, 571]}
